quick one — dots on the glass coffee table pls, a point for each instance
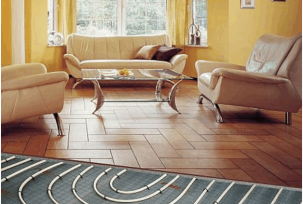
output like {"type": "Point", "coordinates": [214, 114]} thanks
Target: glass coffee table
{"type": "Point", "coordinates": [159, 75]}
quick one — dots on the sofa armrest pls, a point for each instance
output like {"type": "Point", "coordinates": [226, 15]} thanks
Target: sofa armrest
{"type": "Point", "coordinates": [208, 66]}
{"type": "Point", "coordinates": [240, 75]}
{"type": "Point", "coordinates": [34, 80]}
{"type": "Point", "coordinates": [177, 59]}
{"type": "Point", "coordinates": [72, 59]}
{"type": "Point", "coordinates": [20, 70]}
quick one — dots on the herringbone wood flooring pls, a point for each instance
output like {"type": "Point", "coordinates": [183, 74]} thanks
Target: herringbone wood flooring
{"type": "Point", "coordinates": [252, 145]}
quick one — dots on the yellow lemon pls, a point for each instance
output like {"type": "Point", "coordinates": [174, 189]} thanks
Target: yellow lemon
{"type": "Point", "coordinates": [121, 72]}
{"type": "Point", "coordinates": [126, 73]}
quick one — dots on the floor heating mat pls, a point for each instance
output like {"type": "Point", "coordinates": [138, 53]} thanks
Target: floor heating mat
{"type": "Point", "coordinates": [36, 180]}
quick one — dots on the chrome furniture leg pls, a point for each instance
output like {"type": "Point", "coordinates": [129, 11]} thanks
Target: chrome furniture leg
{"type": "Point", "coordinates": [218, 114]}
{"type": "Point", "coordinates": [77, 83]}
{"type": "Point", "coordinates": [200, 99]}
{"type": "Point", "coordinates": [59, 124]}
{"type": "Point", "coordinates": [288, 118]}
{"type": "Point", "coordinates": [99, 95]}
{"type": "Point", "coordinates": [172, 95]}
{"type": "Point", "coordinates": [158, 93]}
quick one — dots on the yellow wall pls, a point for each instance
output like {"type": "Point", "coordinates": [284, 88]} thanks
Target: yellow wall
{"type": "Point", "coordinates": [6, 32]}
{"type": "Point", "coordinates": [232, 31]}
{"type": "Point", "coordinates": [36, 38]}
{"type": "Point", "coordinates": [217, 37]}
{"type": "Point", "coordinates": [246, 25]}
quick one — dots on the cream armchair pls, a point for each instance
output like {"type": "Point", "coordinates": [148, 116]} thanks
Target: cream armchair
{"type": "Point", "coordinates": [27, 90]}
{"type": "Point", "coordinates": [271, 79]}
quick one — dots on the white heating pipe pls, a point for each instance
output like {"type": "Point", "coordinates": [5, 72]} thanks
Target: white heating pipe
{"type": "Point", "coordinates": [224, 193]}
{"type": "Point", "coordinates": [247, 194]}
{"type": "Point", "coordinates": [49, 189]}
{"type": "Point", "coordinates": [277, 196]}
{"type": "Point", "coordinates": [183, 192]}
{"type": "Point", "coordinates": [204, 192]}
{"type": "Point", "coordinates": [16, 164]}
{"type": "Point", "coordinates": [8, 159]}
{"type": "Point", "coordinates": [133, 200]}
{"type": "Point", "coordinates": [32, 177]}
{"type": "Point", "coordinates": [22, 170]}
{"type": "Point", "coordinates": [134, 191]}
{"type": "Point", "coordinates": [76, 180]}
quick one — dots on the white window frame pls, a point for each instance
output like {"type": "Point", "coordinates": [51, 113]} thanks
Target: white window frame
{"type": "Point", "coordinates": [193, 16]}
{"type": "Point", "coordinates": [53, 6]}
{"type": "Point", "coordinates": [121, 15]}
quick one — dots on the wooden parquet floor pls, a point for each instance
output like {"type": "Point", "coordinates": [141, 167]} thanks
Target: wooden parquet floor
{"type": "Point", "coordinates": [251, 145]}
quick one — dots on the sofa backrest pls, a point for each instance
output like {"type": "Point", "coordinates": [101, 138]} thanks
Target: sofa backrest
{"type": "Point", "coordinates": [269, 53]}
{"type": "Point", "coordinates": [114, 47]}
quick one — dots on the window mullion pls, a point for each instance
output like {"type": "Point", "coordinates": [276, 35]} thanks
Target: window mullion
{"type": "Point", "coordinates": [123, 16]}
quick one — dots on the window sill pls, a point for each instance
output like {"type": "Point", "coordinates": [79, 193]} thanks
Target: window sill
{"type": "Point", "coordinates": [198, 46]}
{"type": "Point", "coordinates": [56, 45]}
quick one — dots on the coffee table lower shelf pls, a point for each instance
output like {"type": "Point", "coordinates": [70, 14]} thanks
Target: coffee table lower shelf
{"type": "Point", "coordinates": [171, 98]}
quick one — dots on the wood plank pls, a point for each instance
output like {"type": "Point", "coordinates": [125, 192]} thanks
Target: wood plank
{"type": "Point", "coordinates": [197, 163]}
{"type": "Point", "coordinates": [124, 158]}
{"type": "Point", "coordinates": [274, 166]}
{"type": "Point", "coordinates": [36, 145]}
{"type": "Point", "coordinates": [175, 139]}
{"type": "Point", "coordinates": [222, 145]}
{"type": "Point", "coordinates": [161, 146]}
{"type": "Point", "coordinates": [145, 155]}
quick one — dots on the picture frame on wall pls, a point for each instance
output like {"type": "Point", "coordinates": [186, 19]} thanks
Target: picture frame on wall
{"type": "Point", "coordinates": [250, 4]}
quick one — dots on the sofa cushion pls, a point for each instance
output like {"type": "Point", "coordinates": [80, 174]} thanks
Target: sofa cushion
{"type": "Point", "coordinates": [147, 52]}
{"type": "Point", "coordinates": [129, 64]}
{"type": "Point", "coordinates": [165, 53]}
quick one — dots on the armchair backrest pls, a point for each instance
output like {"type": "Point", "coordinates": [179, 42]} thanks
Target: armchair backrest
{"type": "Point", "coordinates": [277, 55]}
{"type": "Point", "coordinates": [291, 67]}
{"type": "Point", "coordinates": [269, 53]}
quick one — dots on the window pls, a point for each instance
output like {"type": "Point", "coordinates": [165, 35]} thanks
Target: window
{"type": "Point", "coordinates": [199, 15]}
{"type": "Point", "coordinates": [51, 13]}
{"type": "Point", "coordinates": [121, 17]}
{"type": "Point", "coordinates": [54, 37]}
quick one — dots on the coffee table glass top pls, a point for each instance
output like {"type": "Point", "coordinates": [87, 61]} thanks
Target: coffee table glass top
{"type": "Point", "coordinates": [133, 74]}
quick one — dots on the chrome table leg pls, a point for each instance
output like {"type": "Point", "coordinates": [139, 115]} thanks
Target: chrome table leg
{"type": "Point", "coordinates": [172, 95]}
{"type": "Point", "coordinates": [99, 95]}
{"type": "Point", "coordinates": [77, 83]}
{"type": "Point", "coordinates": [158, 93]}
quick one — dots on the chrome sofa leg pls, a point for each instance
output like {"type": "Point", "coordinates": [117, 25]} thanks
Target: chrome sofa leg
{"type": "Point", "coordinates": [59, 124]}
{"type": "Point", "coordinates": [200, 99]}
{"type": "Point", "coordinates": [219, 118]}
{"type": "Point", "coordinates": [288, 118]}
{"type": "Point", "coordinates": [218, 114]}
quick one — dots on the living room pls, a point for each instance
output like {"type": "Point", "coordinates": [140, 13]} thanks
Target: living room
{"type": "Point", "coordinates": [252, 144]}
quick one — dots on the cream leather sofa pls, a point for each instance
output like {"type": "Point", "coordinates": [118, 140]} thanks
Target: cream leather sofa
{"type": "Point", "coordinates": [271, 79]}
{"type": "Point", "coordinates": [27, 90]}
{"type": "Point", "coordinates": [116, 52]}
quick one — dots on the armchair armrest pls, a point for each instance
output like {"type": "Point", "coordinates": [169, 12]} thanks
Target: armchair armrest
{"type": "Point", "coordinates": [240, 75]}
{"type": "Point", "coordinates": [34, 80]}
{"type": "Point", "coordinates": [208, 66]}
{"type": "Point", "coordinates": [72, 59]}
{"type": "Point", "coordinates": [175, 60]}
{"type": "Point", "coordinates": [20, 70]}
